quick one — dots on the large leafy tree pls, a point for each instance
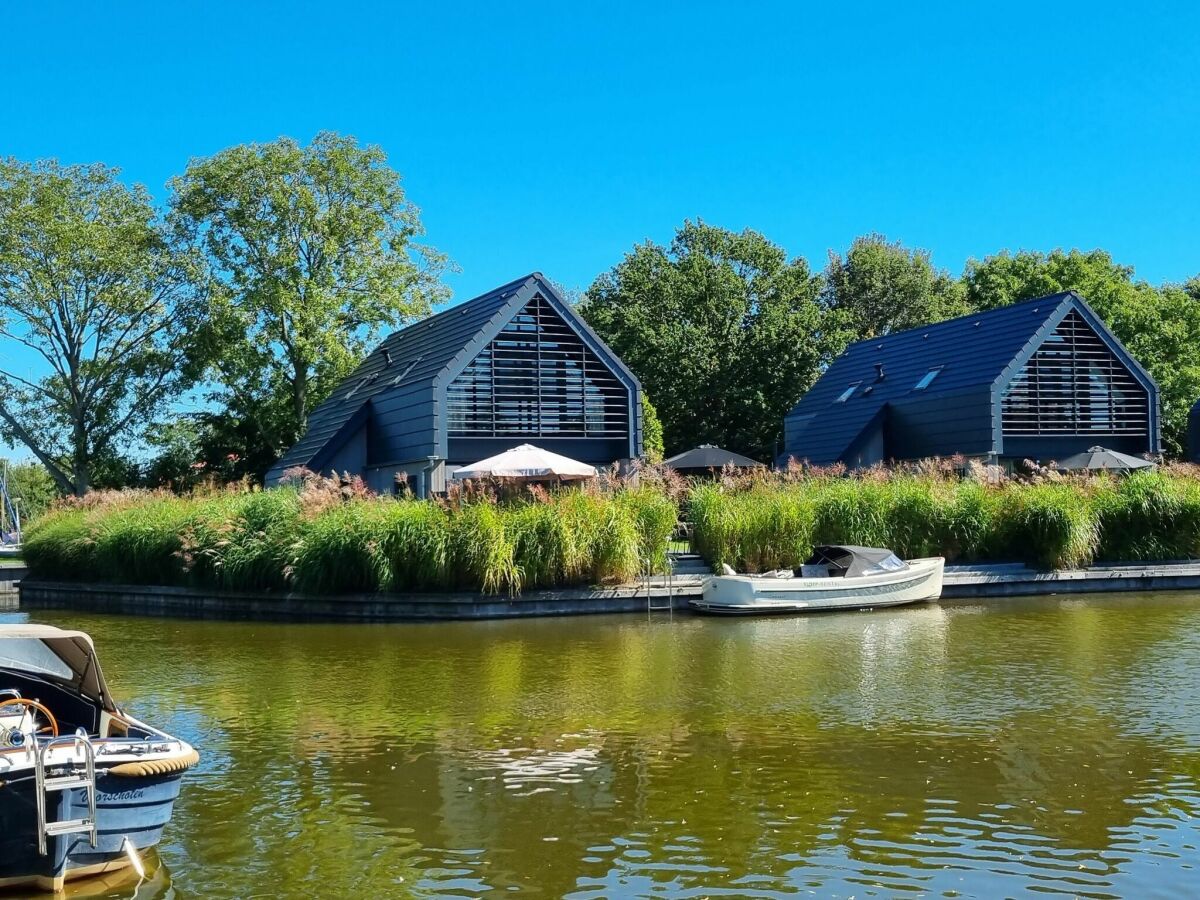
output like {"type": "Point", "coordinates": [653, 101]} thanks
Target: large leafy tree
{"type": "Point", "coordinates": [723, 330]}
{"type": "Point", "coordinates": [314, 252]}
{"type": "Point", "coordinates": [102, 306]}
{"type": "Point", "coordinates": [1159, 326]}
{"type": "Point", "coordinates": [880, 286]}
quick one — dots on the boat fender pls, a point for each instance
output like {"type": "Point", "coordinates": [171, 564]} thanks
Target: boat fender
{"type": "Point", "coordinates": [156, 766]}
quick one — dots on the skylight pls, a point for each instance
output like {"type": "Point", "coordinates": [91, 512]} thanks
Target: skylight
{"type": "Point", "coordinates": [848, 392]}
{"type": "Point", "coordinates": [927, 379]}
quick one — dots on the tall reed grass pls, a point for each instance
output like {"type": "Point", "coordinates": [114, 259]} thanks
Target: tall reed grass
{"type": "Point", "coordinates": [767, 522]}
{"type": "Point", "coordinates": [315, 538]}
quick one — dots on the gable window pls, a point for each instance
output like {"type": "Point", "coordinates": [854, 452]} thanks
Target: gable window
{"type": "Point", "coordinates": [848, 392]}
{"type": "Point", "coordinates": [927, 379]}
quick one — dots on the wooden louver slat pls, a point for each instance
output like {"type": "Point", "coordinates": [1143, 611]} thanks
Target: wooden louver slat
{"type": "Point", "coordinates": [1074, 384]}
{"type": "Point", "coordinates": [537, 378]}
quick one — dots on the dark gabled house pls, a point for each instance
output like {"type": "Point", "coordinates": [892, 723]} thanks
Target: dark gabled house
{"type": "Point", "coordinates": [1039, 380]}
{"type": "Point", "coordinates": [515, 365]}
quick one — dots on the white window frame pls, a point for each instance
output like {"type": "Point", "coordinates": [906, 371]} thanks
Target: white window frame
{"type": "Point", "coordinates": [848, 392]}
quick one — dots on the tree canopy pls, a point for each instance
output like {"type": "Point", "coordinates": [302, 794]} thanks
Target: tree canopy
{"type": "Point", "coordinates": [880, 286]}
{"type": "Point", "coordinates": [724, 331]}
{"type": "Point", "coordinates": [314, 252]}
{"type": "Point", "coordinates": [95, 289]}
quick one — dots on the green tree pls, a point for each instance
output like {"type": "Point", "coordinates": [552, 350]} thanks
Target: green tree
{"type": "Point", "coordinates": [314, 252]}
{"type": "Point", "coordinates": [723, 330]}
{"type": "Point", "coordinates": [652, 433]}
{"type": "Point", "coordinates": [98, 294]}
{"type": "Point", "coordinates": [1159, 326]}
{"type": "Point", "coordinates": [30, 485]}
{"type": "Point", "coordinates": [880, 286]}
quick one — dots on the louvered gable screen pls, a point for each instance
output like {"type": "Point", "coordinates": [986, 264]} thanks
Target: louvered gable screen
{"type": "Point", "coordinates": [537, 378]}
{"type": "Point", "coordinates": [1074, 384]}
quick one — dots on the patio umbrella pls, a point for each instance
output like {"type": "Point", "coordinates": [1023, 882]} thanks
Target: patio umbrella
{"type": "Point", "coordinates": [528, 463]}
{"type": "Point", "coordinates": [1096, 458]}
{"type": "Point", "coordinates": [710, 456]}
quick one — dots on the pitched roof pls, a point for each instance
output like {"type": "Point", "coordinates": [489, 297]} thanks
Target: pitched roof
{"type": "Point", "coordinates": [969, 352]}
{"type": "Point", "coordinates": [420, 354]}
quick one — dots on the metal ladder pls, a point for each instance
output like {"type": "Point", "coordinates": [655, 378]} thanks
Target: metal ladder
{"type": "Point", "coordinates": [648, 569]}
{"type": "Point", "coordinates": [50, 784]}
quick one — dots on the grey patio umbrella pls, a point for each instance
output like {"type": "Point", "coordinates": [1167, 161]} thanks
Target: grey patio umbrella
{"type": "Point", "coordinates": [1097, 458]}
{"type": "Point", "coordinates": [709, 456]}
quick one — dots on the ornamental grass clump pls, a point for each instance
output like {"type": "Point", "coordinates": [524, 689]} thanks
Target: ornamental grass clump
{"type": "Point", "coordinates": [851, 511]}
{"type": "Point", "coordinates": [481, 550]}
{"type": "Point", "coordinates": [655, 517]}
{"type": "Point", "coordinates": [754, 530]}
{"type": "Point", "coordinates": [59, 545]}
{"type": "Point", "coordinates": [1149, 516]}
{"type": "Point", "coordinates": [417, 546]}
{"type": "Point", "coordinates": [1051, 526]}
{"type": "Point", "coordinates": [968, 513]}
{"type": "Point", "coordinates": [243, 541]}
{"type": "Point", "coordinates": [342, 551]}
{"type": "Point", "coordinates": [142, 544]}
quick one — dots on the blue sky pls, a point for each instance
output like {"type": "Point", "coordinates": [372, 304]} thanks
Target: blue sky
{"type": "Point", "coordinates": [557, 138]}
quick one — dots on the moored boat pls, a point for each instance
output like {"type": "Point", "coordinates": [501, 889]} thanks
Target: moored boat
{"type": "Point", "coordinates": [835, 577]}
{"type": "Point", "coordinates": [85, 788]}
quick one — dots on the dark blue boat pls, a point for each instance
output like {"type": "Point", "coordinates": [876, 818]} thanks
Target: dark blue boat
{"type": "Point", "coordinates": [84, 788]}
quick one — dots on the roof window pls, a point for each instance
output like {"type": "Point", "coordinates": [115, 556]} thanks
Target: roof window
{"type": "Point", "coordinates": [848, 392]}
{"type": "Point", "coordinates": [927, 379]}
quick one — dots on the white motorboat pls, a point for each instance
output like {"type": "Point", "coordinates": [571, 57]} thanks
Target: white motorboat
{"type": "Point", "coordinates": [86, 788]}
{"type": "Point", "coordinates": [835, 577]}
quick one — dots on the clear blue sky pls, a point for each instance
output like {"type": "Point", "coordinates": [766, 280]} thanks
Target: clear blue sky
{"type": "Point", "coordinates": [558, 138]}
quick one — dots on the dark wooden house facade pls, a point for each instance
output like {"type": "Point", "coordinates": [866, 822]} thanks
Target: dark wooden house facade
{"type": "Point", "coordinates": [516, 365]}
{"type": "Point", "coordinates": [1041, 380]}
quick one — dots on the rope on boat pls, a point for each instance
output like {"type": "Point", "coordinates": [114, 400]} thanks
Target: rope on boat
{"type": "Point", "coordinates": [156, 766]}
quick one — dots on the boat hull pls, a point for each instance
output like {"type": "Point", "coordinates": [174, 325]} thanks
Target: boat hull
{"type": "Point", "coordinates": [745, 595]}
{"type": "Point", "coordinates": [127, 808]}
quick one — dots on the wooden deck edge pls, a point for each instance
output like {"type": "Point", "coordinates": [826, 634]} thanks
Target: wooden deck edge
{"type": "Point", "coordinates": [976, 583]}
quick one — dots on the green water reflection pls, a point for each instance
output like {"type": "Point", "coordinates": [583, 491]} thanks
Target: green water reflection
{"type": "Point", "coordinates": [1050, 745]}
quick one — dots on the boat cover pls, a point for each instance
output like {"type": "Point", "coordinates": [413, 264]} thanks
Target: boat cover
{"type": "Point", "coordinates": [850, 561]}
{"type": "Point", "coordinates": [65, 656]}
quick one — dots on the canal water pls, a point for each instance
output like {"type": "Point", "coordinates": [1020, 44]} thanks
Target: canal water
{"type": "Point", "coordinates": [1049, 745]}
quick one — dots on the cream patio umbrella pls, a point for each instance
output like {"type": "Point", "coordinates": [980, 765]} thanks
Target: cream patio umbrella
{"type": "Point", "coordinates": [527, 463]}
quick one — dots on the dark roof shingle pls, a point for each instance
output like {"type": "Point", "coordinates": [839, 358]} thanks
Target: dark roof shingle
{"type": "Point", "coordinates": [970, 352]}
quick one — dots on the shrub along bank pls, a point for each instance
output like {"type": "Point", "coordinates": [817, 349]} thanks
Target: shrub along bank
{"type": "Point", "coordinates": [314, 538]}
{"type": "Point", "coordinates": [766, 523]}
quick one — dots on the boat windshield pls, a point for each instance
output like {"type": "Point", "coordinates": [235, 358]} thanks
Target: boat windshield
{"type": "Point", "coordinates": [32, 655]}
{"type": "Point", "coordinates": [890, 563]}
{"type": "Point", "coordinates": [854, 562]}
